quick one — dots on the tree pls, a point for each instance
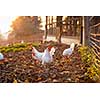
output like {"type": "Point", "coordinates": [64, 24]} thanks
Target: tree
{"type": "Point", "coordinates": [36, 20]}
{"type": "Point", "coordinates": [25, 25]}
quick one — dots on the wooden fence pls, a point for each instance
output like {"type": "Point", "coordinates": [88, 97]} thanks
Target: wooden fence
{"type": "Point", "coordinates": [94, 36]}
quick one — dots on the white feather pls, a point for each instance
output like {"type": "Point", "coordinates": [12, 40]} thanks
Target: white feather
{"type": "Point", "coordinates": [72, 46]}
{"type": "Point", "coordinates": [69, 51]}
{"type": "Point", "coordinates": [38, 55]}
{"type": "Point", "coordinates": [1, 56]}
{"type": "Point", "coordinates": [47, 57]}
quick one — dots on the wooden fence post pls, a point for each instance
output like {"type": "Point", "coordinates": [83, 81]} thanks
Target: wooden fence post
{"type": "Point", "coordinates": [85, 34]}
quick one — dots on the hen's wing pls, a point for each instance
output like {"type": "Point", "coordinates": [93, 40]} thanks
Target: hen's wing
{"type": "Point", "coordinates": [67, 52]}
{"type": "Point", "coordinates": [1, 56]}
{"type": "Point", "coordinates": [37, 55]}
{"type": "Point", "coordinates": [46, 58]}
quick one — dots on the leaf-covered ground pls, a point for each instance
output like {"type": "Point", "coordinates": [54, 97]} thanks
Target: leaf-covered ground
{"type": "Point", "coordinates": [20, 67]}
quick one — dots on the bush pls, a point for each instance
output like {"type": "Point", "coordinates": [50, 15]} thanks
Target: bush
{"type": "Point", "coordinates": [89, 59]}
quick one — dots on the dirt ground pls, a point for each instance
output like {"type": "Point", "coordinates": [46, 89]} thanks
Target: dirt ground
{"type": "Point", "coordinates": [20, 67]}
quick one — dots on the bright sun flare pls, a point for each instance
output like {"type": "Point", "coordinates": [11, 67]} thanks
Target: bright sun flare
{"type": "Point", "coordinates": [5, 22]}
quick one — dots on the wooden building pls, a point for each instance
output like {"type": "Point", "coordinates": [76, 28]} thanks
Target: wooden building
{"type": "Point", "coordinates": [63, 26]}
{"type": "Point", "coordinates": [86, 27]}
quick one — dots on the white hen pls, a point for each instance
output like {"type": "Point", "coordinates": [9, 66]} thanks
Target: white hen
{"type": "Point", "coordinates": [47, 57]}
{"type": "Point", "coordinates": [38, 55]}
{"type": "Point", "coordinates": [69, 51]}
{"type": "Point", "coordinates": [1, 56]}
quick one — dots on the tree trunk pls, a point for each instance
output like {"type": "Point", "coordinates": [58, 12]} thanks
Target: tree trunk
{"type": "Point", "coordinates": [75, 27]}
{"type": "Point", "coordinates": [60, 35]}
{"type": "Point", "coordinates": [49, 25]}
{"type": "Point", "coordinates": [46, 30]}
{"type": "Point", "coordinates": [81, 30]}
{"type": "Point", "coordinates": [86, 30]}
{"type": "Point", "coordinates": [59, 24]}
{"type": "Point", "coordinates": [52, 24]}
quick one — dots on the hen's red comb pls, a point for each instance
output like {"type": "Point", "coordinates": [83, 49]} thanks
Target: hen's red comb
{"type": "Point", "coordinates": [49, 47]}
{"type": "Point", "coordinates": [33, 54]}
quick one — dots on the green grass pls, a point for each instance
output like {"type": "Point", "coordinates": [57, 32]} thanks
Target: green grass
{"type": "Point", "coordinates": [17, 47]}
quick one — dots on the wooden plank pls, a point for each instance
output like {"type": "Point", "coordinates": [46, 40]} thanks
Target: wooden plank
{"type": "Point", "coordinates": [94, 34]}
{"type": "Point", "coordinates": [95, 44]}
{"type": "Point", "coordinates": [98, 65]}
{"type": "Point", "coordinates": [95, 49]}
{"type": "Point", "coordinates": [91, 18]}
{"type": "Point", "coordinates": [93, 26]}
{"type": "Point", "coordinates": [95, 39]}
{"type": "Point", "coordinates": [97, 62]}
{"type": "Point", "coordinates": [96, 55]}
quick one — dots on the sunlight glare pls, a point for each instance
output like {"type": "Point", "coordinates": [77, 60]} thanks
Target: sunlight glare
{"type": "Point", "coordinates": [5, 22]}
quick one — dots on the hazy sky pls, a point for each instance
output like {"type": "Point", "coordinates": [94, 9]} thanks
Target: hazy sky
{"type": "Point", "coordinates": [5, 22]}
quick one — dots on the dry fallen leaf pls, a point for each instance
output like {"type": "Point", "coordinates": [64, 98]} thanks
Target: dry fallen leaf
{"type": "Point", "coordinates": [61, 70]}
{"type": "Point", "coordinates": [39, 79]}
{"type": "Point", "coordinates": [15, 81]}
{"type": "Point", "coordinates": [26, 81]}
